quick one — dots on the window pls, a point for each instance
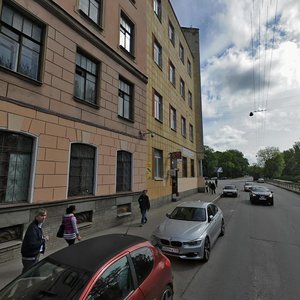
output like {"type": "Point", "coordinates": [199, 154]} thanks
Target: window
{"type": "Point", "coordinates": [182, 88]}
{"type": "Point", "coordinates": [172, 74]}
{"type": "Point", "coordinates": [82, 170]}
{"type": "Point", "coordinates": [92, 9]}
{"type": "Point", "coordinates": [115, 283]}
{"type": "Point", "coordinates": [184, 166]}
{"type": "Point", "coordinates": [157, 53]}
{"type": "Point", "coordinates": [15, 166]}
{"type": "Point", "coordinates": [158, 163]}
{"type": "Point", "coordinates": [158, 106]}
{"type": "Point", "coordinates": [189, 68]}
{"type": "Point", "coordinates": [20, 43]}
{"type": "Point", "coordinates": [125, 105]}
{"type": "Point", "coordinates": [157, 8]}
{"type": "Point", "coordinates": [191, 133]}
{"type": "Point", "coordinates": [171, 33]}
{"type": "Point", "coordinates": [190, 99]}
{"type": "Point", "coordinates": [143, 263]}
{"type": "Point", "coordinates": [181, 52]}
{"type": "Point", "coordinates": [126, 34]}
{"type": "Point", "coordinates": [173, 118]}
{"type": "Point", "coordinates": [86, 79]}
{"type": "Point", "coordinates": [124, 166]}
{"type": "Point", "coordinates": [183, 126]}
{"type": "Point", "coordinates": [192, 168]}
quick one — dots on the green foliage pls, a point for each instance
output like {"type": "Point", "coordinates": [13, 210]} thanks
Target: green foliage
{"type": "Point", "coordinates": [233, 163]}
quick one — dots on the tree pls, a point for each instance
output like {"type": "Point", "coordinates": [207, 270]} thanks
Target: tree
{"type": "Point", "coordinates": [271, 159]}
{"type": "Point", "coordinates": [210, 162]}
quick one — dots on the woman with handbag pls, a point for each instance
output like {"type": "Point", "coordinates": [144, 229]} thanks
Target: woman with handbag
{"type": "Point", "coordinates": [71, 232]}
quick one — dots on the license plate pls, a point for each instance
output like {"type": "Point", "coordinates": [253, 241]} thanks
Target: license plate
{"type": "Point", "coordinates": [262, 198]}
{"type": "Point", "coordinates": [170, 249]}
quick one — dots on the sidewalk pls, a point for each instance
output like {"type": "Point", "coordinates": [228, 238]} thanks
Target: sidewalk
{"type": "Point", "coordinates": [12, 269]}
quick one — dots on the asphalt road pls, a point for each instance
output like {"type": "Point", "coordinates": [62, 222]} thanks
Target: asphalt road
{"type": "Point", "coordinates": [258, 258]}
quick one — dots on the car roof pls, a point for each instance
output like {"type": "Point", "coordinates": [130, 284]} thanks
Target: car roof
{"type": "Point", "coordinates": [91, 254]}
{"type": "Point", "coordinates": [197, 204]}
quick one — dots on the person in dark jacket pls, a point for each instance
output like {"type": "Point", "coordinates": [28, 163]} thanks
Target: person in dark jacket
{"type": "Point", "coordinates": [144, 206]}
{"type": "Point", "coordinates": [34, 241]}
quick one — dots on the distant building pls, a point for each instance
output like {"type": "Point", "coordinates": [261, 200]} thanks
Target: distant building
{"type": "Point", "coordinates": [174, 112]}
{"type": "Point", "coordinates": [72, 104]}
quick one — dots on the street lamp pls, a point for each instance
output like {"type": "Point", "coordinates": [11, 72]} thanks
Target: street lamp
{"type": "Point", "coordinates": [259, 110]}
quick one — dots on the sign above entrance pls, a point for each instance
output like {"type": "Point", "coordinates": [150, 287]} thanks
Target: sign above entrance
{"type": "Point", "coordinates": [176, 155]}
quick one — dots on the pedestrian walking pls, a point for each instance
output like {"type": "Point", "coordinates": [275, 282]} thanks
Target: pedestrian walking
{"type": "Point", "coordinates": [71, 232]}
{"type": "Point", "coordinates": [144, 206]}
{"type": "Point", "coordinates": [213, 188]}
{"type": "Point", "coordinates": [216, 182]}
{"type": "Point", "coordinates": [206, 186]}
{"type": "Point", "coordinates": [34, 242]}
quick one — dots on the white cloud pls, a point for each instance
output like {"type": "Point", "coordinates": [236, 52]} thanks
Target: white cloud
{"type": "Point", "coordinates": [230, 63]}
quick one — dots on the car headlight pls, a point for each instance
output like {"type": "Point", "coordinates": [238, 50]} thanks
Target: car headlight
{"type": "Point", "coordinates": [193, 243]}
{"type": "Point", "coordinates": [271, 196]}
{"type": "Point", "coordinates": [154, 240]}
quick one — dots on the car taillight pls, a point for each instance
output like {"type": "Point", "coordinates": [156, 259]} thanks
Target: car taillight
{"type": "Point", "coordinates": [167, 263]}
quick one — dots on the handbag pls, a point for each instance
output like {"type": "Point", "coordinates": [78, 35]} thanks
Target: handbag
{"type": "Point", "coordinates": [60, 232]}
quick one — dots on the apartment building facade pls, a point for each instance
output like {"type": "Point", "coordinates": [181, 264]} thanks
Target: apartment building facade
{"type": "Point", "coordinates": [174, 115]}
{"type": "Point", "coordinates": [73, 90]}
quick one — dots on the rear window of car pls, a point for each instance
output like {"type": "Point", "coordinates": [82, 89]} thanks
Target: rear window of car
{"type": "Point", "coordinates": [143, 262]}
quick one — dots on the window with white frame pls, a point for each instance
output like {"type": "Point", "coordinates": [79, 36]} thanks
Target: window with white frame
{"type": "Point", "coordinates": [16, 155]}
{"type": "Point", "coordinates": [157, 8]}
{"type": "Point", "coordinates": [125, 104]}
{"type": "Point", "coordinates": [182, 88]}
{"type": "Point", "coordinates": [190, 99]}
{"type": "Point", "coordinates": [158, 106]}
{"type": "Point", "coordinates": [21, 43]}
{"type": "Point", "coordinates": [173, 118]}
{"type": "Point", "coordinates": [191, 132]}
{"type": "Point", "coordinates": [126, 34]}
{"type": "Point", "coordinates": [181, 52]}
{"type": "Point", "coordinates": [171, 33]}
{"type": "Point", "coordinates": [82, 170]}
{"type": "Point", "coordinates": [157, 53]}
{"type": "Point", "coordinates": [172, 77]}
{"type": "Point", "coordinates": [86, 79]}
{"type": "Point", "coordinates": [124, 171]}
{"type": "Point", "coordinates": [157, 163]}
{"type": "Point", "coordinates": [183, 126]}
{"type": "Point", "coordinates": [92, 9]}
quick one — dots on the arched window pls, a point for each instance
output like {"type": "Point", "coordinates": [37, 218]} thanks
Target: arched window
{"type": "Point", "coordinates": [15, 166]}
{"type": "Point", "coordinates": [124, 165]}
{"type": "Point", "coordinates": [82, 170]}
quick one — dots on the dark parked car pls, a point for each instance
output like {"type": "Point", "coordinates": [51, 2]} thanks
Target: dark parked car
{"type": "Point", "coordinates": [107, 267]}
{"type": "Point", "coordinates": [261, 194]}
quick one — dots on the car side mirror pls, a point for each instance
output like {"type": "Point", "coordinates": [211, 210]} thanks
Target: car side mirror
{"type": "Point", "coordinates": [210, 218]}
{"type": "Point", "coordinates": [168, 215]}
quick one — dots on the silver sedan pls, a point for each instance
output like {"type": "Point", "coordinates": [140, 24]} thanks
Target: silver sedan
{"type": "Point", "coordinates": [190, 230]}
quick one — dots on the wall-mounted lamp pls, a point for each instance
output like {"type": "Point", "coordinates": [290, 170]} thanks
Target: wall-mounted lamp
{"type": "Point", "coordinates": [143, 134]}
{"type": "Point", "coordinates": [259, 110]}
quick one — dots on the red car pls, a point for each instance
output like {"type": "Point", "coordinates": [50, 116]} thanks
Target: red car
{"type": "Point", "coordinates": [113, 266]}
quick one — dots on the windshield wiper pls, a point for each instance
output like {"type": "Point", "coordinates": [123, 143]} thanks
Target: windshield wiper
{"type": "Point", "coordinates": [47, 293]}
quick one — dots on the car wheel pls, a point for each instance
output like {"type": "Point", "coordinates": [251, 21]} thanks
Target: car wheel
{"type": "Point", "coordinates": [222, 228]}
{"type": "Point", "coordinates": [206, 250]}
{"type": "Point", "coordinates": [167, 294]}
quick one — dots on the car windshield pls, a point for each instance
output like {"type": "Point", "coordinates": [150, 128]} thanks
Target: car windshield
{"type": "Point", "coordinates": [260, 189]}
{"type": "Point", "coordinates": [189, 214]}
{"type": "Point", "coordinates": [47, 280]}
{"type": "Point", "coordinates": [248, 183]}
{"type": "Point", "coordinates": [229, 187]}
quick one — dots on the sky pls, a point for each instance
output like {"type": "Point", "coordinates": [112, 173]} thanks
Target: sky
{"type": "Point", "coordinates": [250, 62]}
